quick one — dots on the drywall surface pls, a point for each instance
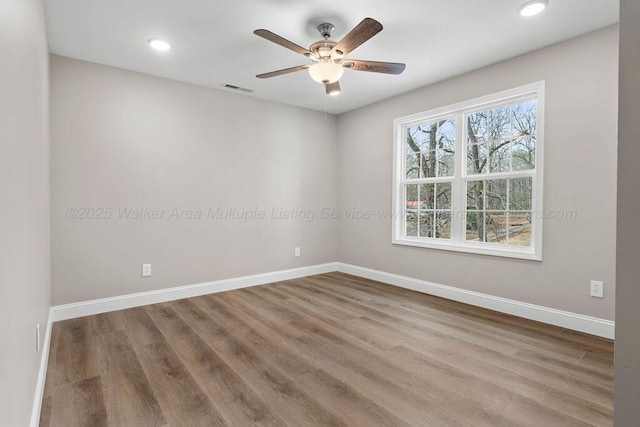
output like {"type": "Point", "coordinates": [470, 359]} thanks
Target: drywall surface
{"type": "Point", "coordinates": [202, 184]}
{"type": "Point", "coordinates": [24, 204]}
{"type": "Point", "coordinates": [579, 176]}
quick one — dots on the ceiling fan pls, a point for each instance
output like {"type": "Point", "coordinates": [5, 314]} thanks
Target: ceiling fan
{"type": "Point", "coordinates": [328, 57]}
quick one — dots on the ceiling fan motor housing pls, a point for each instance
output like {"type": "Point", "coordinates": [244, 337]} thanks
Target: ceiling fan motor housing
{"type": "Point", "coordinates": [326, 30]}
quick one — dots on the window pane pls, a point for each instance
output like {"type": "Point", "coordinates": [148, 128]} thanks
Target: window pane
{"type": "Point", "coordinates": [428, 166]}
{"type": "Point", "coordinates": [412, 200]}
{"type": "Point", "coordinates": [477, 127]}
{"type": "Point", "coordinates": [446, 138]}
{"type": "Point", "coordinates": [520, 194]}
{"type": "Point", "coordinates": [443, 195]}
{"type": "Point", "coordinates": [413, 140]}
{"type": "Point", "coordinates": [429, 137]}
{"type": "Point", "coordinates": [475, 195]}
{"type": "Point", "coordinates": [475, 227]}
{"type": "Point", "coordinates": [426, 223]}
{"type": "Point", "coordinates": [524, 118]}
{"type": "Point", "coordinates": [500, 156]}
{"type": "Point", "coordinates": [446, 162]}
{"type": "Point", "coordinates": [427, 195]}
{"type": "Point", "coordinates": [520, 228]}
{"type": "Point", "coordinates": [496, 194]}
{"type": "Point", "coordinates": [524, 154]}
{"type": "Point", "coordinates": [413, 166]}
{"type": "Point", "coordinates": [477, 159]}
{"type": "Point", "coordinates": [443, 225]}
{"type": "Point", "coordinates": [496, 223]}
{"type": "Point", "coordinates": [447, 133]}
{"type": "Point", "coordinates": [499, 123]}
{"type": "Point", "coordinates": [412, 223]}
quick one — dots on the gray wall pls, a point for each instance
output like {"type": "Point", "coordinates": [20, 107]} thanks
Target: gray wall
{"type": "Point", "coordinates": [627, 351]}
{"type": "Point", "coordinates": [124, 140]}
{"type": "Point", "coordinates": [580, 170]}
{"type": "Point", "coordinates": [24, 203]}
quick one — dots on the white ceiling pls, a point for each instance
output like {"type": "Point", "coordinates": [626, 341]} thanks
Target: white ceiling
{"type": "Point", "coordinates": [213, 41]}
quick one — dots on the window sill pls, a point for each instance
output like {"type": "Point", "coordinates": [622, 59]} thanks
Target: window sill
{"type": "Point", "coordinates": [484, 249]}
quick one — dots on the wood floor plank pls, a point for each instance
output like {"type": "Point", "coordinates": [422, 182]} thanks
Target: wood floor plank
{"type": "Point", "coordinates": [181, 399]}
{"type": "Point", "coordinates": [299, 295]}
{"type": "Point", "coordinates": [331, 349]}
{"type": "Point", "coordinates": [289, 402]}
{"type": "Point", "coordinates": [139, 327]}
{"type": "Point", "coordinates": [79, 404]}
{"type": "Point", "coordinates": [231, 396]}
{"type": "Point", "coordinates": [129, 399]}
{"type": "Point", "coordinates": [579, 408]}
{"type": "Point", "coordinates": [367, 360]}
{"type": "Point", "coordinates": [355, 361]}
{"type": "Point", "coordinates": [75, 352]}
{"type": "Point", "coordinates": [345, 402]}
{"type": "Point", "coordinates": [106, 323]}
{"type": "Point", "coordinates": [181, 336]}
{"type": "Point", "coordinates": [454, 348]}
{"type": "Point", "coordinates": [464, 360]}
{"type": "Point", "coordinates": [525, 412]}
{"type": "Point", "coordinates": [565, 340]}
{"type": "Point", "coordinates": [374, 381]}
{"type": "Point", "coordinates": [468, 381]}
{"type": "Point", "coordinates": [470, 412]}
{"type": "Point", "coordinates": [277, 313]}
{"type": "Point", "coordinates": [583, 372]}
{"type": "Point", "coordinates": [196, 317]}
{"type": "Point", "coordinates": [474, 333]}
{"type": "Point", "coordinates": [473, 320]}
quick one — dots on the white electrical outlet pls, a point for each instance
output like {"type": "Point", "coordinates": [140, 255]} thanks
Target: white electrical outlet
{"type": "Point", "coordinates": [146, 270]}
{"type": "Point", "coordinates": [38, 337]}
{"type": "Point", "coordinates": [597, 289]}
{"type": "Point", "coordinates": [296, 252]}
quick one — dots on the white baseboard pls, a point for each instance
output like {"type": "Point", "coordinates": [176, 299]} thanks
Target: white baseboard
{"type": "Point", "coordinates": [42, 374]}
{"type": "Point", "coordinates": [578, 322]}
{"type": "Point", "coordinates": [591, 325]}
{"type": "Point", "coordinates": [104, 305]}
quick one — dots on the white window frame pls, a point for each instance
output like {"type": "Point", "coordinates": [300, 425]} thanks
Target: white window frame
{"type": "Point", "coordinates": [458, 192]}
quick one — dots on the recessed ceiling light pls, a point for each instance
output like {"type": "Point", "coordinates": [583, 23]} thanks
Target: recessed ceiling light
{"type": "Point", "coordinates": [533, 7]}
{"type": "Point", "coordinates": [159, 44]}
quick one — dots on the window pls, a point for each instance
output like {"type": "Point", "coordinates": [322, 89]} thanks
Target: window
{"type": "Point", "coordinates": [468, 177]}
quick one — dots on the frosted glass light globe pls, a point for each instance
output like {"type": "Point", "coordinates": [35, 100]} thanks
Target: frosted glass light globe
{"type": "Point", "coordinates": [326, 72]}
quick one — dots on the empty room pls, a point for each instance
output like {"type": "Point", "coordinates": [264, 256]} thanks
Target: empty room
{"type": "Point", "coordinates": [286, 213]}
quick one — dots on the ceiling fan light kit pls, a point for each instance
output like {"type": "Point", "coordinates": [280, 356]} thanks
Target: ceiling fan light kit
{"type": "Point", "coordinates": [326, 71]}
{"type": "Point", "coordinates": [328, 56]}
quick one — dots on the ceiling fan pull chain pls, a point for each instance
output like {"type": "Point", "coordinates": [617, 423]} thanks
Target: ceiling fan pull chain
{"type": "Point", "coordinates": [325, 108]}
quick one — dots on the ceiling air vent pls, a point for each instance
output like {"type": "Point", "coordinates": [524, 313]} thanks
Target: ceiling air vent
{"type": "Point", "coordinates": [238, 88]}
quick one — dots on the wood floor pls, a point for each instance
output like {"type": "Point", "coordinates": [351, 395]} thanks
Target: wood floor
{"type": "Point", "coordinates": [331, 349]}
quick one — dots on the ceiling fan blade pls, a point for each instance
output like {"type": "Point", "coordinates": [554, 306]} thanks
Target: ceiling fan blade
{"type": "Point", "coordinates": [272, 37]}
{"type": "Point", "coordinates": [374, 66]}
{"type": "Point", "coordinates": [332, 88]}
{"type": "Point", "coordinates": [361, 33]}
{"type": "Point", "coordinates": [284, 71]}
